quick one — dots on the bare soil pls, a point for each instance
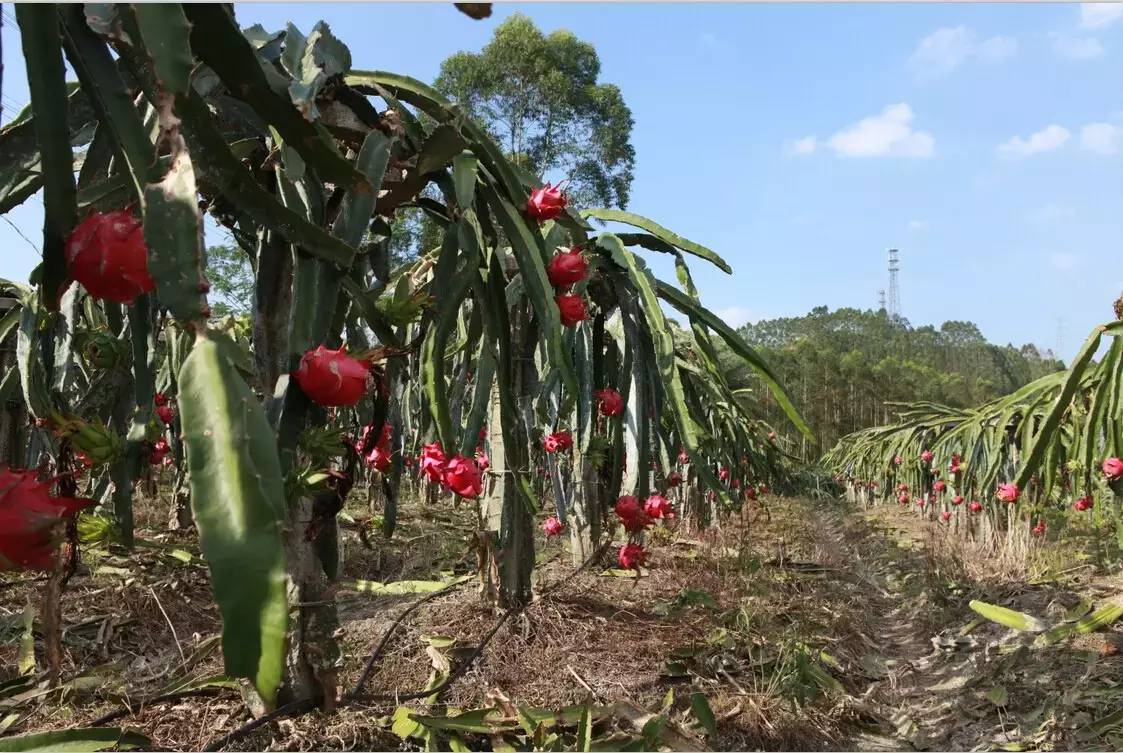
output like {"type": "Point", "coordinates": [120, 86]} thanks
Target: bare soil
{"type": "Point", "coordinates": [807, 626]}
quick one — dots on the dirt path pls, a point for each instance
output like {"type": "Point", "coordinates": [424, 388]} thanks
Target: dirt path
{"type": "Point", "coordinates": [908, 687]}
{"type": "Point", "coordinates": [930, 679]}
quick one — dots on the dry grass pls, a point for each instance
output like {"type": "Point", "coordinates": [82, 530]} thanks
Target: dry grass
{"type": "Point", "coordinates": [1052, 693]}
{"type": "Point", "coordinates": [802, 591]}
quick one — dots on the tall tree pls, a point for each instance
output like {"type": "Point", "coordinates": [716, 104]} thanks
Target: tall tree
{"type": "Point", "coordinates": [231, 277]}
{"type": "Point", "coordinates": [539, 96]}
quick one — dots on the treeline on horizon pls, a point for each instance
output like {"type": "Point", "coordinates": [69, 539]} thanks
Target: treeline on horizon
{"type": "Point", "coordinates": [843, 367]}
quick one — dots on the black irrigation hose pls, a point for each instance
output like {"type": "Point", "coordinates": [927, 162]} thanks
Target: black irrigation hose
{"type": "Point", "coordinates": [368, 668]}
{"type": "Point", "coordinates": [467, 663]}
{"type": "Point", "coordinates": [303, 706]}
{"type": "Point", "coordinates": [134, 708]}
{"type": "Point", "coordinates": [22, 581]}
{"type": "Point", "coordinates": [296, 707]}
{"type": "Point", "coordinates": [455, 675]}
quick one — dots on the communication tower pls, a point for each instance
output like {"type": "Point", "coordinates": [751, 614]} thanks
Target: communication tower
{"type": "Point", "coordinates": [893, 300]}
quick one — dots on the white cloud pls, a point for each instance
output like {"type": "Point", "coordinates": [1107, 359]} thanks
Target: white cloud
{"type": "Point", "coordinates": [1064, 262]}
{"type": "Point", "coordinates": [735, 316]}
{"type": "Point", "coordinates": [1051, 212]}
{"type": "Point", "coordinates": [918, 225]}
{"type": "Point", "coordinates": [804, 146]}
{"type": "Point", "coordinates": [997, 48]}
{"type": "Point", "coordinates": [1046, 140]}
{"type": "Point", "coordinates": [1099, 15]}
{"type": "Point", "coordinates": [1102, 138]}
{"type": "Point", "coordinates": [1077, 48]}
{"type": "Point", "coordinates": [945, 49]}
{"type": "Point", "coordinates": [942, 51]}
{"type": "Point", "coordinates": [888, 134]}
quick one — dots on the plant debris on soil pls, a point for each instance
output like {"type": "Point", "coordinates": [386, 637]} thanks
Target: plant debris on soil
{"type": "Point", "coordinates": [801, 626]}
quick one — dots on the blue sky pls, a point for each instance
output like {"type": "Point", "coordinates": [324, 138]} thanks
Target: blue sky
{"type": "Point", "coordinates": [802, 141]}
